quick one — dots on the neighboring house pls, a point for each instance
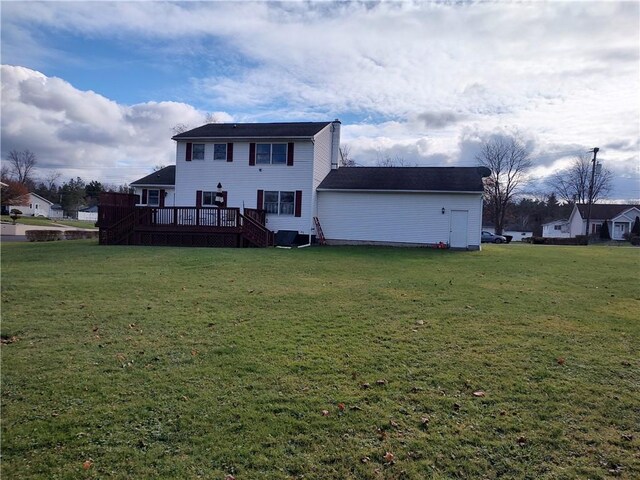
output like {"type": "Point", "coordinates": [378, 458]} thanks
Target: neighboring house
{"type": "Point", "coordinates": [88, 214]}
{"type": "Point", "coordinates": [556, 229]}
{"type": "Point", "coordinates": [37, 206]}
{"type": "Point", "coordinates": [56, 211]}
{"type": "Point", "coordinates": [620, 219]}
{"type": "Point", "coordinates": [286, 175]}
{"type": "Point", "coordinates": [157, 189]}
{"type": "Point", "coordinates": [517, 235]}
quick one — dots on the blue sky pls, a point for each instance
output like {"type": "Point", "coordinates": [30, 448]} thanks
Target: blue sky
{"type": "Point", "coordinates": [94, 88]}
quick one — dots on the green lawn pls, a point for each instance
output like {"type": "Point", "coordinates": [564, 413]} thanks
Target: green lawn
{"type": "Point", "coordinates": [45, 222]}
{"type": "Point", "coordinates": [135, 362]}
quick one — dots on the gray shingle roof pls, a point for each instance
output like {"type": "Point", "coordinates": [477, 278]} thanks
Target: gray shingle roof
{"type": "Point", "coordinates": [253, 130]}
{"type": "Point", "coordinates": [164, 176]}
{"type": "Point", "coordinates": [603, 211]}
{"type": "Point", "coordinates": [434, 179]}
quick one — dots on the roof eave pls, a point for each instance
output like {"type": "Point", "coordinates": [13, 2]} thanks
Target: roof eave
{"type": "Point", "coordinates": [306, 137]}
{"type": "Point", "coordinates": [380, 190]}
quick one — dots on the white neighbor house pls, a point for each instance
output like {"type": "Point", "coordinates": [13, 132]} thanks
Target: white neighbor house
{"type": "Point", "coordinates": [37, 207]}
{"type": "Point", "coordinates": [620, 219]}
{"type": "Point", "coordinates": [290, 170]}
{"type": "Point", "coordinates": [556, 229]}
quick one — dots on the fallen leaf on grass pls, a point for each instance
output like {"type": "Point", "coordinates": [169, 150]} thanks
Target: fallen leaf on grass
{"type": "Point", "coordinates": [365, 459]}
{"type": "Point", "coordinates": [425, 421]}
{"type": "Point", "coordinates": [560, 361]}
{"type": "Point", "coordinates": [365, 385]}
{"type": "Point", "coordinates": [381, 382]}
{"type": "Point", "coordinates": [229, 477]}
{"type": "Point", "coordinates": [479, 393]}
{"type": "Point", "coordinates": [194, 353]}
{"type": "Point", "coordinates": [341, 407]}
{"type": "Point", "coordinates": [522, 440]}
{"type": "Point", "coordinates": [325, 413]}
{"type": "Point", "coordinates": [389, 457]}
{"type": "Point", "coordinates": [393, 424]}
{"type": "Point", "coordinates": [87, 464]}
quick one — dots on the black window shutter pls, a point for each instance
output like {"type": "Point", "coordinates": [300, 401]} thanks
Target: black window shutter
{"type": "Point", "coordinates": [144, 196]}
{"type": "Point", "coordinates": [188, 154]}
{"type": "Point", "coordinates": [161, 202]}
{"type": "Point", "coordinates": [298, 206]}
{"type": "Point", "coordinates": [229, 152]}
{"type": "Point", "coordinates": [259, 201]}
{"type": "Point", "coordinates": [290, 154]}
{"type": "Point", "coordinates": [252, 154]}
{"type": "Point", "coordinates": [198, 198]}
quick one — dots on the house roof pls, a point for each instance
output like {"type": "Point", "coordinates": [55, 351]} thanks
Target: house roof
{"type": "Point", "coordinates": [90, 209]}
{"type": "Point", "coordinates": [603, 211]}
{"type": "Point", "coordinates": [434, 179]}
{"type": "Point", "coordinates": [253, 130]}
{"type": "Point", "coordinates": [552, 222]}
{"type": "Point", "coordinates": [164, 176]}
{"type": "Point", "coordinates": [41, 198]}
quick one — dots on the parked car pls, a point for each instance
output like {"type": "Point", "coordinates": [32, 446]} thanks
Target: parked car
{"type": "Point", "coordinates": [488, 237]}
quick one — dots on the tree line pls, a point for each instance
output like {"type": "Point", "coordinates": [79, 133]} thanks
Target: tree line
{"type": "Point", "coordinates": [18, 173]}
{"type": "Point", "coordinates": [508, 200]}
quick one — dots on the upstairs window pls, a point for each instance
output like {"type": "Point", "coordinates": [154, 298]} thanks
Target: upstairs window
{"type": "Point", "coordinates": [197, 153]}
{"type": "Point", "coordinates": [557, 227]}
{"type": "Point", "coordinates": [273, 153]}
{"type": "Point", "coordinates": [220, 151]}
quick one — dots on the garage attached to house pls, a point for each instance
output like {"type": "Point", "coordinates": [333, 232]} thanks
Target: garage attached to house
{"type": "Point", "coordinates": [403, 206]}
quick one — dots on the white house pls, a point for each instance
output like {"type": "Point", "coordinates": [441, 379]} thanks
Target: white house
{"type": "Point", "coordinates": [290, 171]}
{"type": "Point", "coordinates": [556, 229]}
{"type": "Point", "coordinates": [37, 206]}
{"type": "Point", "coordinates": [157, 189]}
{"type": "Point", "coordinates": [620, 219]}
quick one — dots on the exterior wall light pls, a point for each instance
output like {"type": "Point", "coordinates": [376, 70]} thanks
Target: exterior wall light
{"type": "Point", "coordinates": [443, 210]}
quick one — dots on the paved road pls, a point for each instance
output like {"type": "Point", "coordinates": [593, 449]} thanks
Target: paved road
{"type": "Point", "coordinates": [13, 238]}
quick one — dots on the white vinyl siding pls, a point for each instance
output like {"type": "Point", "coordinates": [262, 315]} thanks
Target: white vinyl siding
{"type": "Point", "coordinates": [242, 181]}
{"type": "Point", "coordinates": [395, 217]}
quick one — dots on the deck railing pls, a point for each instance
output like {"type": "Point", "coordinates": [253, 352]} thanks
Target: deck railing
{"type": "Point", "coordinates": [188, 216]}
{"type": "Point", "coordinates": [124, 224]}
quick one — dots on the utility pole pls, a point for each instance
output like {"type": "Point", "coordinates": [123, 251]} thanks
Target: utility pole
{"type": "Point", "coordinates": [593, 174]}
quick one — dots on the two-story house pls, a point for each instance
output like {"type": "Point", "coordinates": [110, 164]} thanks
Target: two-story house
{"type": "Point", "coordinates": [235, 179]}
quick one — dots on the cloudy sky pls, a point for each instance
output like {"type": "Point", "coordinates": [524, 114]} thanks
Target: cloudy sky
{"type": "Point", "coordinates": [94, 88]}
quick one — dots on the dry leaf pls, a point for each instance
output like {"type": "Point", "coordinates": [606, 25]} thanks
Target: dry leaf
{"type": "Point", "coordinates": [425, 420]}
{"type": "Point", "coordinates": [381, 382]}
{"type": "Point", "coordinates": [389, 457]}
{"type": "Point", "coordinates": [325, 413]}
{"type": "Point", "coordinates": [365, 459]}
{"type": "Point", "coordinates": [365, 385]}
{"type": "Point", "coordinates": [87, 464]}
{"type": "Point", "coordinates": [479, 393]}
{"type": "Point", "coordinates": [393, 424]}
{"type": "Point", "coordinates": [522, 440]}
{"type": "Point", "coordinates": [341, 407]}
{"type": "Point", "coordinates": [229, 477]}
{"type": "Point", "coordinates": [194, 352]}
{"type": "Point", "coordinates": [560, 361]}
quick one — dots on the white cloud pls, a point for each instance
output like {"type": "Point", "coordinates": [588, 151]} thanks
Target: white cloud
{"type": "Point", "coordinates": [418, 79]}
{"type": "Point", "coordinates": [81, 133]}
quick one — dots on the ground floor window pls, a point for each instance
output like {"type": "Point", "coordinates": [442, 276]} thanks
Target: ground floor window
{"type": "Point", "coordinates": [153, 198]}
{"type": "Point", "coordinates": [279, 203]}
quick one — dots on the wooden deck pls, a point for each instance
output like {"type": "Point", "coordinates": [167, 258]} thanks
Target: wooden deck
{"type": "Point", "coordinates": [121, 222]}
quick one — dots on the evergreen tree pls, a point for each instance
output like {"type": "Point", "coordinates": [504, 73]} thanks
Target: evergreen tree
{"type": "Point", "coordinates": [635, 231]}
{"type": "Point", "coordinates": [604, 231]}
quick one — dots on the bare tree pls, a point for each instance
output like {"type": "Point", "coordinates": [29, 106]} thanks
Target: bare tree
{"type": "Point", "coordinates": [345, 156]}
{"type": "Point", "coordinates": [50, 179]}
{"type": "Point", "coordinates": [14, 193]}
{"type": "Point", "coordinates": [571, 185]}
{"type": "Point", "coordinates": [386, 160]}
{"type": "Point", "coordinates": [508, 160]}
{"type": "Point", "coordinates": [157, 168]}
{"type": "Point", "coordinates": [21, 165]}
{"type": "Point", "coordinates": [212, 118]}
{"type": "Point", "coordinates": [179, 128]}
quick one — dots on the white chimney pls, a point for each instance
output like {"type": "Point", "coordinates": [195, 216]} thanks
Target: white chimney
{"type": "Point", "coordinates": [335, 144]}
